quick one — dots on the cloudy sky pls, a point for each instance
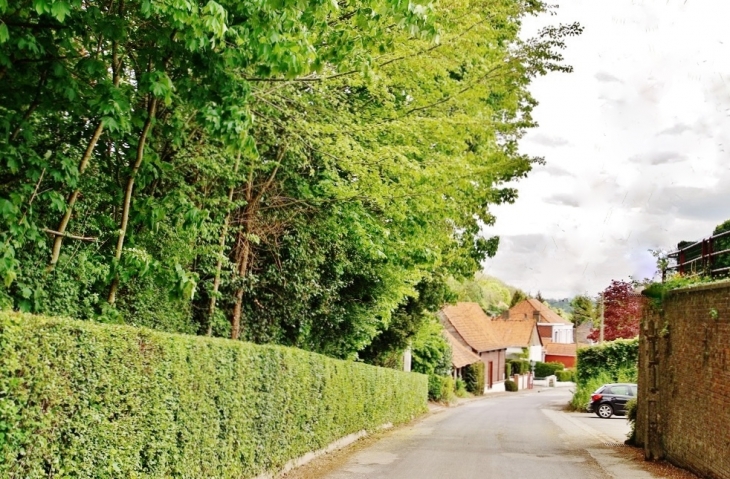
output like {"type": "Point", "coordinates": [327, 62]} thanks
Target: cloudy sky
{"type": "Point", "coordinates": [636, 141]}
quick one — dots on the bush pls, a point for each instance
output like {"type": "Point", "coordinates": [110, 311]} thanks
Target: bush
{"type": "Point", "coordinates": [510, 385]}
{"type": "Point", "coordinates": [508, 369]}
{"type": "Point", "coordinates": [474, 378]}
{"type": "Point", "coordinates": [520, 366]}
{"type": "Point", "coordinates": [103, 401]}
{"type": "Point", "coordinates": [460, 388]}
{"type": "Point", "coordinates": [631, 411]}
{"type": "Point", "coordinates": [543, 370]}
{"type": "Point", "coordinates": [566, 375]}
{"type": "Point", "coordinates": [440, 388]}
{"type": "Point", "coordinates": [611, 358]}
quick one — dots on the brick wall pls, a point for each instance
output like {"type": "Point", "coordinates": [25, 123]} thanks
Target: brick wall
{"type": "Point", "coordinates": [497, 358]}
{"type": "Point", "coordinates": [684, 380]}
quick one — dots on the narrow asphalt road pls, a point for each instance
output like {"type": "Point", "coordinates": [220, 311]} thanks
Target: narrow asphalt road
{"type": "Point", "coordinates": [524, 435]}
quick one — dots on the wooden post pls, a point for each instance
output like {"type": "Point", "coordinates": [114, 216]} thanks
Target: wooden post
{"type": "Point", "coordinates": [603, 309]}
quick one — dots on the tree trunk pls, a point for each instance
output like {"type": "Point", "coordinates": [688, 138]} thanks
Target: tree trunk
{"type": "Point", "coordinates": [242, 271]}
{"type": "Point", "coordinates": [152, 109]}
{"type": "Point", "coordinates": [219, 265]}
{"type": "Point", "coordinates": [58, 241]}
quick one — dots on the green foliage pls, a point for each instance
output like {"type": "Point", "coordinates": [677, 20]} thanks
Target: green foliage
{"type": "Point", "coordinates": [566, 375]}
{"type": "Point", "coordinates": [280, 172]}
{"type": "Point", "coordinates": [517, 297]}
{"type": "Point", "coordinates": [460, 388]}
{"type": "Point", "coordinates": [490, 293]}
{"type": "Point", "coordinates": [473, 376]}
{"type": "Point", "coordinates": [519, 366]}
{"type": "Point", "coordinates": [543, 370]}
{"type": "Point", "coordinates": [631, 415]}
{"type": "Point", "coordinates": [510, 385]}
{"type": "Point", "coordinates": [615, 359]}
{"type": "Point", "coordinates": [413, 323]}
{"type": "Point", "coordinates": [584, 310]}
{"type": "Point", "coordinates": [431, 352]}
{"type": "Point", "coordinates": [100, 401]}
{"type": "Point", "coordinates": [441, 388]}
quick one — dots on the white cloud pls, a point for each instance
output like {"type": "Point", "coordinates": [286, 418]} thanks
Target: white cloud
{"type": "Point", "coordinates": [634, 141]}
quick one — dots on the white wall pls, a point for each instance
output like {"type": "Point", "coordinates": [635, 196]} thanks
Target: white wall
{"type": "Point", "coordinates": [563, 333]}
{"type": "Point", "coordinates": [536, 353]}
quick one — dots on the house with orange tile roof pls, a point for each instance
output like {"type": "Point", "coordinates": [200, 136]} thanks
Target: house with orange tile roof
{"type": "Point", "coordinates": [461, 354]}
{"type": "Point", "coordinates": [556, 333]}
{"type": "Point", "coordinates": [471, 328]}
{"type": "Point", "coordinates": [519, 335]}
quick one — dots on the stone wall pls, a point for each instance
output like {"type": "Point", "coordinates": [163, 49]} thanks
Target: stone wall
{"type": "Point", "coordinates": [684, 380]}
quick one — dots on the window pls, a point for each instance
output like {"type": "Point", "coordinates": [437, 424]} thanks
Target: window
{"type": "Point", "coordinates": [622, 390]}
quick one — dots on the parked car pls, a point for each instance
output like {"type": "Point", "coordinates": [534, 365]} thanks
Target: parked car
{"type": "Point", "coordinates": [611, 399]}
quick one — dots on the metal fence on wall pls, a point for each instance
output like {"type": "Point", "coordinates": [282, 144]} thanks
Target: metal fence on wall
{"type": "Point", "coordinates": [710, 256]}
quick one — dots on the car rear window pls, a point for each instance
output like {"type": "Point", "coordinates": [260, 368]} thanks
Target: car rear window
{"type": "Point", "coordinates": [621, 390]}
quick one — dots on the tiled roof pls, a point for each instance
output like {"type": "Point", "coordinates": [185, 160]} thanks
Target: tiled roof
{"type": "Point", "coordinates": [515, 334]}
{"type": "Point", "coordinates": [472, 324]}
{"type": "Point", "coordinates": [560, 349]}
{"type": "Point", "coordinates": [460, 354]}
{"type": "Point", "coordinates": [526, 309]}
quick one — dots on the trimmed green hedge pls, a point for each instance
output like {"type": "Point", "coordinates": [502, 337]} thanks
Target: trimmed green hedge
{"type": "Point", "coordinates": [473, 376]}
{"type": "Point", "coordinates": [617, 359]}
{"type": "Point", "coordinates": [441, 388]}
{"type": "Point", "coordinates": [85, 400]}
{"type": "Point", "coordinates": [543, 370]}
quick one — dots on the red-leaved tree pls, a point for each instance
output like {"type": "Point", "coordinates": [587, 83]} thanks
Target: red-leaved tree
{"type": "Point", "coordinates": [622, 315]}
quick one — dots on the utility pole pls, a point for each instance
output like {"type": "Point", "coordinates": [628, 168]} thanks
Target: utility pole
{"type": "Point", "coordinates": [603, 307]}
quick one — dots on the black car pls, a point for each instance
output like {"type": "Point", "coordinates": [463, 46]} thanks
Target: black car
{"type": "Point", "coordinates": [611, 399]}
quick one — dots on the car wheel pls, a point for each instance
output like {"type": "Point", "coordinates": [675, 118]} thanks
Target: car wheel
{"type": "Point", "coordinates": [604, 411]}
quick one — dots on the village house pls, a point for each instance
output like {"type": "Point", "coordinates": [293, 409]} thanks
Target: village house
{"type": "Point", "coordinates": [470, 328]}
{"type": "Point", "coordinates": [556, 333]}
{"type": "Point", "coordinates": [520, 336]}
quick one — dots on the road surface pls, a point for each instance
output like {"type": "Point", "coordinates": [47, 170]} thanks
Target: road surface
{"type": "Point", "coordinates": [523, 435]}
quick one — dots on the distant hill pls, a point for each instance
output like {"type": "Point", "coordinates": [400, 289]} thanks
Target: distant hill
{"type": "Point", "coordinates": [563, 304]}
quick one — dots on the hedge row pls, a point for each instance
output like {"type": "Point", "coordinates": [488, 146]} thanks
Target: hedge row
{"type": "Point", "coordinates": [85, 400]}
{"type": "Point", "coordinates": [617, 359]}
{"type": "Point", "coordinates": [543, 370]}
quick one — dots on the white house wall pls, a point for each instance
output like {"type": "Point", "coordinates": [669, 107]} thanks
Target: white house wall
{"type": "Point", "coordinates": [536, 353]}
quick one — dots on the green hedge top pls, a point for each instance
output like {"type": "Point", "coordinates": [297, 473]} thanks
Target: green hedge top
{"type": "Point", "coordinates": [615, 358]}
{"type": "Point", "coordinates": [85, 400]}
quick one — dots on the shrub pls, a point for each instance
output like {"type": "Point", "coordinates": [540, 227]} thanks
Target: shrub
{"type": "Point", "coordinates": [631, 411]}
{"type": "Point", "coordinates": [543, 370]}
{"type": "Point", "coordinates": [474, 378]}
{"type": "Point", "coordinates": [520, 366]}
{"type": "Point", "coordinates": [460, 388]}
{"type": "Point", "coordinates": [566, 375]}
{"type": "Point", "coordinates": [440, 388]}
{"type": "Point", "coordinates": [510, 385]}
{"type": "Point", "coordinates": [612, 358]}
{"type": "Point", "coordinates": [508, 369]}
{"type": "Point", "coordinates": [103, 401]}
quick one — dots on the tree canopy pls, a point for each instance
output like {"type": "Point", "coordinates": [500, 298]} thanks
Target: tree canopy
{"type": "Point", "coordinates": [298, 172]}
{"type": "Point", "coordinates": [622, 312]}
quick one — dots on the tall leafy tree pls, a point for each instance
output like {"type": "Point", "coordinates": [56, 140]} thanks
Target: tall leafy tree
{"type": "Point", "coordinates": [622, 312]}
{"type": "Point", "coordinates": [296, 173]}
{"type": "Point", "coordinates": [584, 309]}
